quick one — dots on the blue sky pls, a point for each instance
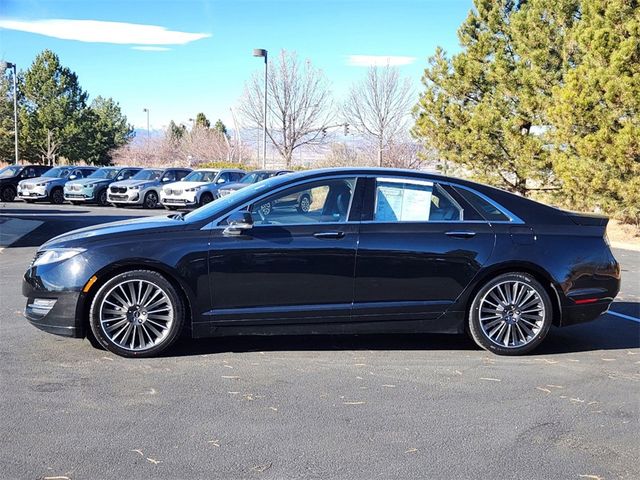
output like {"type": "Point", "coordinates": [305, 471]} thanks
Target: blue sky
{"type": "Point", "coordinates": [201, 57]}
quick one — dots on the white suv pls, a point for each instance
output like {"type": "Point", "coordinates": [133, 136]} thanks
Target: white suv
{"type": "Point", "coordinates": [198, 188]}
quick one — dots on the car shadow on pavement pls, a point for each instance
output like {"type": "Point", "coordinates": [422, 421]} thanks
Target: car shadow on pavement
{"type": "Point", "coordinates": [606, 333]}
{"type": "Point", "coordinates": [18, 212]}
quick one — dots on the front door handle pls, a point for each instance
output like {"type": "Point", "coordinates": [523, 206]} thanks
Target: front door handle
{"type": "Point", "coordinates": [329, 235]}
{"type": "Point", "coordinates": [461, 234]}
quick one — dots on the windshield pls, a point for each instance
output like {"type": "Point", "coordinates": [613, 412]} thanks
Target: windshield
{"type": "Point", "coordinates": [59, 172]}
{"type": "Point", "coordinates": [147, 174]}
{"type": "Point", "coordinates": [107, 173]}
{"type": "Point", "coordinates": [201, 176]}
{"type": "Point", "coordinates": [10, 171]}
{"type": "Point", "coordinates": [255, 177]}
{"type": "Point", "coordinates": [216, 207]}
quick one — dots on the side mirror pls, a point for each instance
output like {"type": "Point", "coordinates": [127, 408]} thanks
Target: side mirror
{"type": "Point", "coordinates": [221, 180]}
{"type": "Point", "coordinates": [120, 177]}
{"type": "Point", "coordinates": [182, 179]}
{"type": "Point", "coordinates": [72, 177]}
{"type": "Point", "coordinates": [166, 179]}
{"type": "Point", "coordinates": [237, 223]}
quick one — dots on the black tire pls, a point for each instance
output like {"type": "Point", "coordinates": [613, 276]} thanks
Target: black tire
{"type": "Point", "coordinates": [57, 196]}
{"type": "Point", "coordinates": [205, 198]}
{"type": "Point", "coordinates": [150, 200]}
{"type": "Point", "coordinates": [304, 204]}
{"type": "Point", "coordinates": [8, 194]}
{"type": "Point", "coordinates": [510, 317]}
{"type": "Point", "coordinates": [101, 198]}
{"type": "Point", "coordinates": [99, 328]}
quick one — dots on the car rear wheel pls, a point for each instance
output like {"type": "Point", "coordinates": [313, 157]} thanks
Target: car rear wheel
{"type": "Point", "coordinates": [150, 200]}
{"type": "Point", "coordinates": [205, 198]}
{"type": "Point", "coordinates": [511, 314]}
{"type": "Point", "coordinates": [137, 314]}
{"type": "Point", "coordinates": [8, 194]}
{"type": "Point", "coordinates": [57, 196]}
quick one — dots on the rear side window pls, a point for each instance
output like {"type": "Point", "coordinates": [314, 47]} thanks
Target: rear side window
{"type": "Point", "coordinates": [489, 211]}
{"type": "Point", "coordinates": [414, 202]}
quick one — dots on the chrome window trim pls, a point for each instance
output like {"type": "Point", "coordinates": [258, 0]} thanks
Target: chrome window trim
{"type": "Point", "coordinates": [215, 224]}
{"type": "Point", "coordinates": [513, 218]}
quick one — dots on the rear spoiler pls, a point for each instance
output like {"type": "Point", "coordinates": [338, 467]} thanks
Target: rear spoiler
{"type": "Point", "coordinates": [588, 219]}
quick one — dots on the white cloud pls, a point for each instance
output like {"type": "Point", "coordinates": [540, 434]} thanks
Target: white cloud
{"type": "Point", "coordinates": [97, 31]}
{"type": "Point", "coordinates": [379, 60]}
{"type": "Point", "coordinates": [150, 48]}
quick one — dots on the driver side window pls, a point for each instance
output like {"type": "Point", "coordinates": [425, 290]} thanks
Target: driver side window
{"type": "Point", "coordinates": [325, 201]}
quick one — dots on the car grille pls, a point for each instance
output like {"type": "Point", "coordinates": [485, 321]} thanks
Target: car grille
{"type": "Point", "coordinates": [118, 189]}
{"type": "Point", "coordinates": [76, 188]}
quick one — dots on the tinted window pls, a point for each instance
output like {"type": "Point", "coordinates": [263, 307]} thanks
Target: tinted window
{"type": "Point", "coordinates": [107, 173]}
{"type": "Point", "coordinates": [235, 176]}
{"type": "Point", "coordinates": [201, 176]}
{"type": "Point", "coordinates": [182, 174]}
{"type": "Point", "coordinates": [58, 172]}
{"type": "Point", "coordinates": [326, 201]}
{"type": "Point", "coordinates": [147, 174]}
{"type": "Point", "coordinates": [413, 202]}
{"type": "Point", "coordinates": [169, 176]}
{"type": "Point", "coordinates": [486, 209]}
{"type": "Point", "coordinates": [10, 171]}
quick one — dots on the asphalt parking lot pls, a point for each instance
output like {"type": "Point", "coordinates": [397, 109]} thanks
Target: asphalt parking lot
{"type": "Point", "coordinates": [356, 407]}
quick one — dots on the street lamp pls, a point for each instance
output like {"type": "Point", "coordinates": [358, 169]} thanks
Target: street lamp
{"type": "Point", "coordinates": [261, 52]}
{"type": "Point", "coordinates": [4, 66]}
{"type": "Point", "coordinates": [146, 110]}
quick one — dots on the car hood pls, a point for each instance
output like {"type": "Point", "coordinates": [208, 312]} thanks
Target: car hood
{"type": "Point", "coordinates": [185, 185]}
{"type": "Point", "coordinates": [42, 180]}
{"type": "Point", "coordinates": [85, 181]}
{"type": "Point", "coordinates": [234, 186]}
{"type": "Point", "coordinates": [143, 225]}
{"type": "Point", "coordinates": [7, 179]}
{"type": "Point", "coordinates": [135, 183]}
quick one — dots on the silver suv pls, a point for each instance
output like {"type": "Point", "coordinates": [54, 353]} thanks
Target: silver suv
{"type": "Point", "coordinates": [144, 187]}
{"type": "Point", "coordinates": [198, 188]}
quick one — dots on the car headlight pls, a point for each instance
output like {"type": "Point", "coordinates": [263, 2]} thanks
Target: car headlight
{"type": "Point", "coordinates": [91, 185]}
{"type": "Point", "coordinates": [193, 189]}
{"type": "Point", "coordinates": [41, 184]}
{"type": "Point", "coordinates": [54, 255]}
{"type": "Point", "coordinates": [134, 187]}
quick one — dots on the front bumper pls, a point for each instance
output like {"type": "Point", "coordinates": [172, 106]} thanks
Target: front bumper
{"type": "Point", "coordinates": [84, 195]}
{"type": "Point", "coordinates": [35, 194]}
{"type": "Point", "coordinates": [179, 201]}
{"type": "Point", "coordinates": [129, 197]}
{"type": "Point", "coordinates": [52, 312]}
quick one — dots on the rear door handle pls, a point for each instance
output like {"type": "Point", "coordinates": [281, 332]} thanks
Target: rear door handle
{"type": "Point", "coordinates": [461, 234]}
{"type": "Point", "coordinates": [329, 235]}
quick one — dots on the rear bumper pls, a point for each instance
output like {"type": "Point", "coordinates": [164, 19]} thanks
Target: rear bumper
{"type": "Point", "coordinates": [574, 314]}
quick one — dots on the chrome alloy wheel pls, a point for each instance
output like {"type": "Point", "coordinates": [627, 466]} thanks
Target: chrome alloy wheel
{"type": "Point", "coordinates": [136, 315]}
{"type": "Point", "coordinates": [511, 314]}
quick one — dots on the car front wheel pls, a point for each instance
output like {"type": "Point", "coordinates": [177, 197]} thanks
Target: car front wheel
{"type": "Point", "coordinates": [150, 200]}
{"type": "Point", "coordinates": [511, 314]}
{"type": "Point", "coordinates": [8, 194]}
{"type": "Point", "coordinates": [137, 314]}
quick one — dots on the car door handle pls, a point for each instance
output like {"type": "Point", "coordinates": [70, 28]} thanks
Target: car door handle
{"type": "Point", "coordinates": [461, 234]}
{"type": "Point", "coordinates": [329, 235]}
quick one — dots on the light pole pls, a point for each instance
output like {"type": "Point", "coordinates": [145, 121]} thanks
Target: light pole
{"type": "Point", "coordinates": [261, 52]}
{"type": "Point", "coordinates": [4, 66]}
{"type": "Point", "coordinates": [146, 110]}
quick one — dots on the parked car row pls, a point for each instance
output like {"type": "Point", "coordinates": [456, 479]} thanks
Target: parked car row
{"type": "Point", "coordinates": [172, 187]}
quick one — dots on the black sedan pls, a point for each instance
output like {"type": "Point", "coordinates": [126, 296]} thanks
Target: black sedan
{"type": "Point", "coordinates": [378, 251]}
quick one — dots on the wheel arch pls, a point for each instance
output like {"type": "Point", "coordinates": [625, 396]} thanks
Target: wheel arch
{"type": "Point", "coordinates": [110, 271]}
{"type": "Point", "coordinates": [541, 275]}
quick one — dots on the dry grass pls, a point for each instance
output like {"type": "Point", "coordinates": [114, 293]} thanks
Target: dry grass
{"type": "Point", "coordinates": [624, 235]}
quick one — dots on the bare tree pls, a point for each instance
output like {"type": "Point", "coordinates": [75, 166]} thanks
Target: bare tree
{"type": "Point", "coordinates": [379, 107]}
{"type": "Point", "coordinates": [299, 104]}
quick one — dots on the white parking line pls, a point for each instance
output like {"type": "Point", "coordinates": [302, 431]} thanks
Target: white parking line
{"type": "Point", "coordinates": [626, 317]}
